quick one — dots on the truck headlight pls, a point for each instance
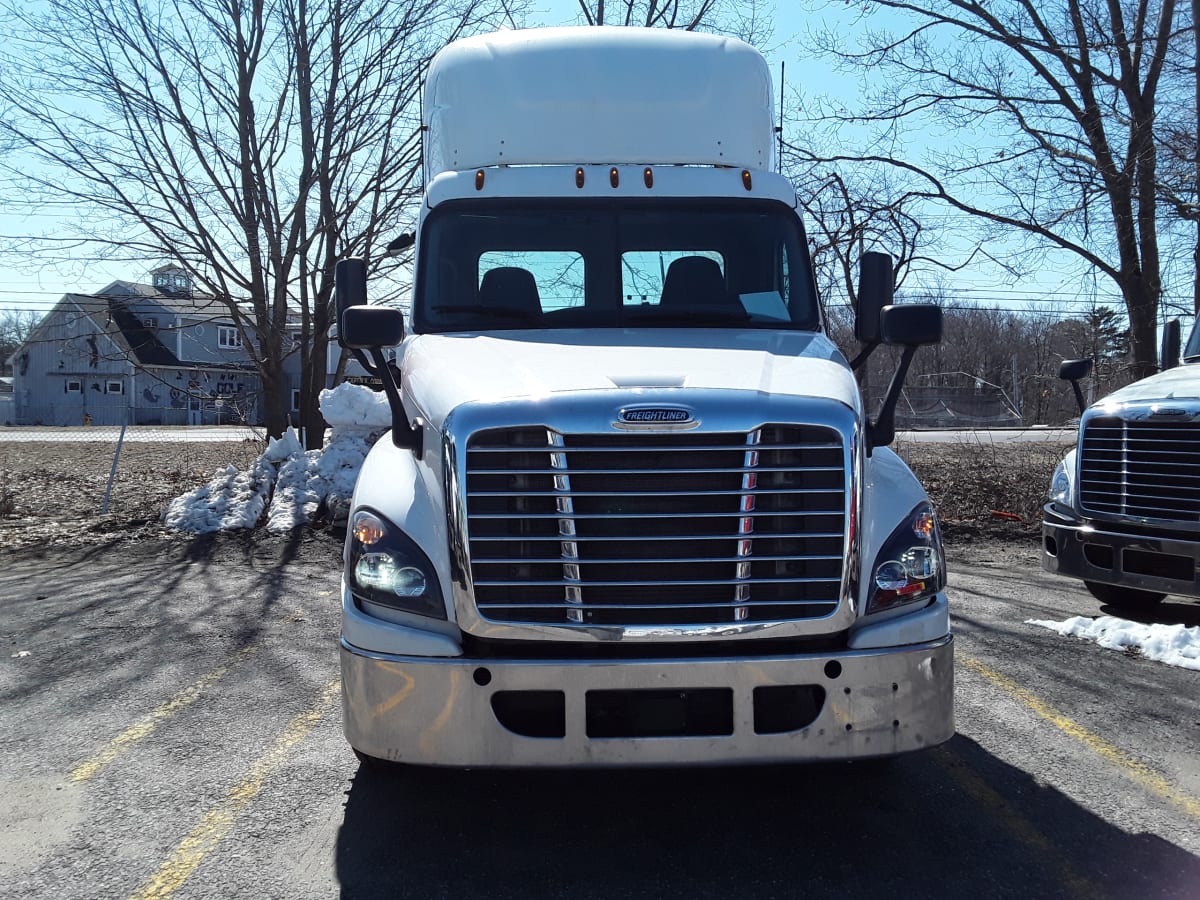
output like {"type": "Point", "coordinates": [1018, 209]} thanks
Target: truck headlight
{"type": "Point", "coordinates": [384, 565]}
{"type": "Point", "coordinates": [911, 566]}
{"type": "Point", "coordinates": [1062, 487]}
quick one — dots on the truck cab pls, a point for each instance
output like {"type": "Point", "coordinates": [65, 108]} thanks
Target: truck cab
{"type": "Point", "coordinates": [632, 510]}
{"type": "Point", "coordinates": [1123, 512]}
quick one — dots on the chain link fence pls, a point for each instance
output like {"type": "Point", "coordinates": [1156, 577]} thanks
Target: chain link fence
{"type": "Point", "coordinates": [68, 474]}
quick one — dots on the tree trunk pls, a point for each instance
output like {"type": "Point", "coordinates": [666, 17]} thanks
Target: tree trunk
{"type": "Point", "coordinates": [275, 402]}
{"type": "Point", "coordinates": [1141, 302]}
{"type": "Point", "coordinates": [312, 383]}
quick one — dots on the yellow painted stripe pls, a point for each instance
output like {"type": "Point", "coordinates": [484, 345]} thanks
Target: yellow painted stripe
{"type": "Point", "coordinates": [1134, 769]}
{"type": "Point", "coordinates": [145, 726]}
{"type": "Point", "coordinates": [1011, 820]}
{"type": "Point", "coordinates": [218, 822]}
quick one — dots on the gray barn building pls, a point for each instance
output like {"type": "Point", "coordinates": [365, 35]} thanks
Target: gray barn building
{"type": "Point", "coordinates": [140, 355]}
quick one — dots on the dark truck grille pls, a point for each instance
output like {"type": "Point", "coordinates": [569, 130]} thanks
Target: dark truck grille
{"type": "Point", "coordinates": [1139, 468]}
{"type": "Point", "coordinates": [656, 529]}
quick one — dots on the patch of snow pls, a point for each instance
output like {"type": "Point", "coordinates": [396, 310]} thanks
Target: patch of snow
{"type": "Point", "coordinates": [231, 500]}
{"type": "Point", "coordinates": [304, 482]}
{"type": "Point", "coordinates": [1175, 645]}
{"type": "Point", "coordinates": [356, 406]}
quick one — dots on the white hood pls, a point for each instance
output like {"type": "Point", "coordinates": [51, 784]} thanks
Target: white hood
{"type": "Point", "coordinates": [445, 370]}
{"type": "Point", "coordinates": [1179, 383]}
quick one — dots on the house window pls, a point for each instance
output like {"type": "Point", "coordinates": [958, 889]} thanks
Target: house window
{"type": "Point", "coordinates": [114, 387]}
{"type": "Point", "coordinates": [228, 337]}
{"type": "Point", "coordinates": [149, 322]}
{"type": "Point", "coordinates": [295, 401]}
{"type": "Point", "coordinates": [73, 386]}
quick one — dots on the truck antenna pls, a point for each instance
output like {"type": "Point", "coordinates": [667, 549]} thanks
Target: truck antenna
{"type": "Point", "coordinates": [779, 128]}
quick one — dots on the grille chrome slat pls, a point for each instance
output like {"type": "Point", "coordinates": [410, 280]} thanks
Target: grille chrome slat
{"type": "Point", "coordinates": [726, 470]}
{"type": "Point", "coordinates": [661, 606]}
{"type": "Point", "coordinates": [655, 528]}
{"type": "Point", "coordinates": [733, 514]}
{"type": "Point", "coordinates": [651, 561]}
{"type": "Point", "coordinates": [658, 538]}
{"type": "Point", "coordinates": [646, 493]}
{"type": "Point", "coordinates": [602, 448]}
{"type": "Point", "coordinates": [630, 582]}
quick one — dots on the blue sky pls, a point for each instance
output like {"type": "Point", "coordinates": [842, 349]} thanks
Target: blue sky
{"type": "Point", "coordinates": [32, 285]}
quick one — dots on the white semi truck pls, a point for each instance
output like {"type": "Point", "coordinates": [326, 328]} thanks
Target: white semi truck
{"type": "Point", "coordinates": [632, 510]}
{"type": "Point", "coordinates": [1123, 513]}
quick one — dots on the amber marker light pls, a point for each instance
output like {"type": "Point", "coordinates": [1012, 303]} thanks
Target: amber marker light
{"type": "Point", "coordinates": [924, 524]}
{"type": "Point", "coordinates": [368, 530]}
{"type": "Point", "coordinates": [479, 180]}
{"type": "Point", "coordinates": [614, 177]}
{"type": "Point", "coordinates": [648, 177]}
{"type": "Point", "coordinates": [579, 177]}
{"type": "Point", "coordinates": [747, 181]}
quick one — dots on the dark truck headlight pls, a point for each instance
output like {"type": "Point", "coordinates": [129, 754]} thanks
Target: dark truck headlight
{"type": "Point", "coordinates": [1062, 485]}
{"type": "Point", "coordinates": [911, 566]}
{"type": "Point", "coordinates": [385, 566]}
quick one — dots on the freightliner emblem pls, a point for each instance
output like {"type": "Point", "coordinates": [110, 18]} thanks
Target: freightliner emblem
{"type": "Point", "coordinates": [655, 415]}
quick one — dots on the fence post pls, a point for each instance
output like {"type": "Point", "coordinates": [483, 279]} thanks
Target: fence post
{"type": "Point", "coordinates": [113, 472]}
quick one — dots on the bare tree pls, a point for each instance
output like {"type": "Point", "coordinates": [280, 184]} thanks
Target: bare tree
{"type": "Point", "coordinates": [1045, 114]}
{"type": "Point", "coordinates": [745, 19]}
{"type": "Point", "coordinates": [16, 325]}
{"type": "Point", "coordinates": [250, 143]}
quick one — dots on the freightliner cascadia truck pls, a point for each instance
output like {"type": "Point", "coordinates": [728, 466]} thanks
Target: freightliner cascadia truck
{"type": "Point", "coordinates": [1123, 513]}
{"type": "Point", "coordinates": [632, 509]}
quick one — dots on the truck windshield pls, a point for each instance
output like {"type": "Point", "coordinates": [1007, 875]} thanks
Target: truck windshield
{"type": "Point", "coordinates": [496, 265]}
{"type": "Point", "coordinates": [1191, 352]}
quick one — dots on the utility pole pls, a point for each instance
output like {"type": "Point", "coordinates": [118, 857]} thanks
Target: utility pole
{"type": "Point", "coordinates": [1196, 153]}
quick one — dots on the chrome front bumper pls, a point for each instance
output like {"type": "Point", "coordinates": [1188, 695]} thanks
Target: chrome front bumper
{"type": "Point", "coordinates": [447, 711]}
{"type": "Point", "coordinates": [1148, 562]}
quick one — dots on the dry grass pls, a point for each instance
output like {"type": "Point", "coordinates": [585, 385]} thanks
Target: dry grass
{"type": "Point", "coordinates": [983, 489]}
{"type": "Point", "coordinates": [54, 491]}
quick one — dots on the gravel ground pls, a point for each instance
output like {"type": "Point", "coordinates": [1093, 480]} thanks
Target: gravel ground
{"type": "Point", "coordinates": [53, 493]}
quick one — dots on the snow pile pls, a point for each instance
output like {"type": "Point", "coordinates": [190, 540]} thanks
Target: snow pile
{"type": "Point", "coordinates": [354, 406]}
{"type": "Point", "coordinates": [232, 499]}
{"type": "Point", "coordinates": [313, 479]}
{"type": "Point", "coordinates": [305, 482]}
{"type": "Point", "coordinates": [1175, 645]}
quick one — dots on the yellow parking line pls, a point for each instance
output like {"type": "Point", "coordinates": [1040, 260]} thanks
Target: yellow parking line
{"type": "Point", "coordinates": [144, 727]}
{"type": "Point", "coordinates": [1138, 771]}
{"type": "Point", "coordinates": [1003, 813]}
{"type": "Point", "coordinates": [217, 823]}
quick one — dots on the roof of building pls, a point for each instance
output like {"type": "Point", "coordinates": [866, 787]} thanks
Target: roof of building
{"type": "Point", "coordinates": [142, 342]}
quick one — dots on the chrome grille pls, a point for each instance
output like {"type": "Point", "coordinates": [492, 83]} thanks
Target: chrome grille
{"type": "Point", "coordinates": [656, 528]}
{"type": "Point", "coordinates": [1141, 468]}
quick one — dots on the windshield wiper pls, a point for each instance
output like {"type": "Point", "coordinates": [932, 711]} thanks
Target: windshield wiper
{"type": "Point", "coordinates": [687, 316]}
{"type": "Point", "coordinates": [502, 312]}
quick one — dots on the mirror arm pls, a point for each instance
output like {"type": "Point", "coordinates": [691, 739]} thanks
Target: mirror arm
{"type": "Point", "coordinates": [882, 430]}
{"type": "Point", "coordinates": [867, 349]}
{"type": "Point", "coordinates": [404, 433]}
{"type": "Point", "coordinates": [1078, 396]}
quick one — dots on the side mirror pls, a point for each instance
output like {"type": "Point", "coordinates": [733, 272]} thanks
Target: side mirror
{"type": "Point", "coordinates": [1072, 370]}
{"type": "Point", "coordinates": [1075, 369]}
{"type": "Point", "coordinates": [1169, 355]}
{"type": "Point", "coordinates": [398, 245]}
{"type": "Point", "coordinates": [875, 286]}
{"type": "Point", "coordinates": [364, 327]}
{"type": "Point", "coordinates": [349, 289]}
{"type": "Point", "coordinates": [911, 324]}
